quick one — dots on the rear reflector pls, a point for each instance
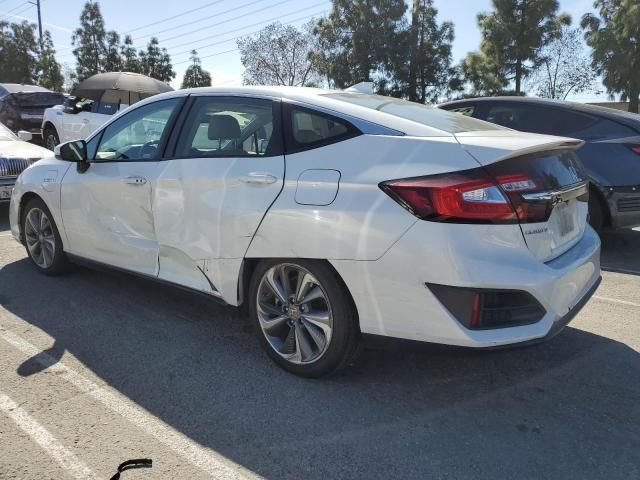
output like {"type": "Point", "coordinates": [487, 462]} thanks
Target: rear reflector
{"type": "Point", "coordinates": [481, 309]}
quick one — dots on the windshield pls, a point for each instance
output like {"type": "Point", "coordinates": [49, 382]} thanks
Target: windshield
{"type": "Point", "coordinates": [6, 134]}
{"type": "Point", "coordinates": [426, 115]}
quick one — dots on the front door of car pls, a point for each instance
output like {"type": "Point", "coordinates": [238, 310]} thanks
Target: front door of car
{"type": "Point", "coordinates": [106, 210]}
{"type": "Point", "coordinates": [227, 169]}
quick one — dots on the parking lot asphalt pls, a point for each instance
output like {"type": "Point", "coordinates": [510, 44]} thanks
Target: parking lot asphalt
{"type": "Point", "coordinates": [101, 367]}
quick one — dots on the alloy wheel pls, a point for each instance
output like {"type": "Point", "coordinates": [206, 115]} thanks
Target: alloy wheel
{"type": "Point", "coordinates": [41, 241]}
{"type": "Point", "coordinates": [51, 141]}
{"type": "Point", "coordinates": [294, 313]}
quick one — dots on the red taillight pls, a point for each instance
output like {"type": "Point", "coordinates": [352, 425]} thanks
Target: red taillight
{"type": "Point", "coordinates": [635, 148]}
{"type": "Point", "coordinates": [469, 196]}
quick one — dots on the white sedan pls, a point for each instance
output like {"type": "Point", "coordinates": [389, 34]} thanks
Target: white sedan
{"type": "Point", "coordinates": [331, 214]}
{"type": "Point", "coordinates": [16, 154]}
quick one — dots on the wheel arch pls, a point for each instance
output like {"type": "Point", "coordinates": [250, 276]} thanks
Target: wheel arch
{"type": "Point", "coordinates": [26, 198]}
{"type": "Point", "coordinates": [606, 210]}
{"type": "Point", "coordinates": [250, 263]}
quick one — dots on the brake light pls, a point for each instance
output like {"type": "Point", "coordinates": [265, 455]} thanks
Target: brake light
{"type": "Point", "coordinates": [470, 196]}
{"type": "Point", "coordinates": [635, 148]}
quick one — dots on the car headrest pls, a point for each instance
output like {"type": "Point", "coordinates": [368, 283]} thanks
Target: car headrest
{"type": "Point", "coordinates": [223, 126]}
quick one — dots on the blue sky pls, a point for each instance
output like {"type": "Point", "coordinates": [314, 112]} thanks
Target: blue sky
{"type": "Point", "coordinates": [212, 26]}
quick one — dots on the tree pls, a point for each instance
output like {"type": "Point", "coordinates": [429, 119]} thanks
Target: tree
{"type": "Point", "coordinates": [156, 62]}
{"type": "Point", "coordinates": [429, 71]}
{"type": "Point", "coordinates": [195, 76]}
{"type": "Point", "coordinates": [112, 59]}
{"type": "Point", "coordinates": [279, 55]}
{"type": "Point", "coordinates": [615, 39]}
{"type": "Point", "coordinates": [515, 31]}
{"type": "Point", "coordinates": [129, 56]}
{"type": "Point", "coordinates": [483, 75]}
{"type": "Point", "coordinates": [359, 40]}
{"type": "Point", "coordinates": [50, 73]}
{"type": "Point", "coordinates": [90, 42]}
{"type": "Point", "coordinates": [565, 67]}
{"type": "Point", "coordinates": [18, 52]}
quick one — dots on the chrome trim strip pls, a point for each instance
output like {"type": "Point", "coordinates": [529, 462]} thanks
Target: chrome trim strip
{"type": "Point", "coordinates": [555, 196]}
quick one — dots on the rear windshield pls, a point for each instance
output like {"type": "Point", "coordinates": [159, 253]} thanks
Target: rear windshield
{"type": "Point", "coordinates": [426, 115]}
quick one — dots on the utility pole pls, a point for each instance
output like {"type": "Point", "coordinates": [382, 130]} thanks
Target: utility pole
{"type": "Point", "coordinates": [37, 4]}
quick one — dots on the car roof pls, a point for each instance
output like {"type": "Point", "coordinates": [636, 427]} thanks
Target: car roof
{"type": "Point", "coordinates": [322, 99]}
{"type": "Point", "coordinates": [21, 88]}
{"type": "Point", "coordinates": [626, 118]}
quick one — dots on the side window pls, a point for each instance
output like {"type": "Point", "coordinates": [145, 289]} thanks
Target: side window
{"type": "Point", "coordinates": [525, 118]}
{"type": "Point", "coordinates": [466, 110]}
{"type": "Point", "coordinates": [138, 134]}
{"type": "Point", "coordinates": [229, 127]}
{"type": "Point", "coordinates": [307, 128]}
{"type": "Point", "coordinates": [603, 128]}
{"type": "Point", "coordinates": [572, 123]}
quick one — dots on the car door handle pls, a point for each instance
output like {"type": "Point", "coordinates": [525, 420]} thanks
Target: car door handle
{"type": "Point", "coordinates": [259, 178]}
{"type": "Point", "coordinates": [134, 180]}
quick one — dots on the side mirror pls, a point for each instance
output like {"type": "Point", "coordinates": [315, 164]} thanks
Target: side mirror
{"type": "Point", "coordinates": [75, 151]}
{"type": "Point", "coordinates": [25, 136]}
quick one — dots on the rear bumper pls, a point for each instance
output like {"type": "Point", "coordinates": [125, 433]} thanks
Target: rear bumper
{"type": "Point", "coordinates": [624, 205]}
{"type": "Point", "coordinates": [392, 299]}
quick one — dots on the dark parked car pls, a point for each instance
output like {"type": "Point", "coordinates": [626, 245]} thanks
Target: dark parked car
{"type": "Point", "coordinates": [611, 153]}
{"type": "Point", "coordinates": [22, 106]}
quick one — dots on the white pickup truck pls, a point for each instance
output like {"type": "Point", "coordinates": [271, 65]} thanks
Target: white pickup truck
{"type": "Point", "coordinates": [74, 120]}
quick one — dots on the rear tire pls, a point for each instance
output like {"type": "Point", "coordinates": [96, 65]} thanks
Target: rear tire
{"type": "Point", "coordinates": [305, 318]}
{"type": "Point", "coordinates": [42, 239]}
{"type": "Point", "coordinates": [50, 137]}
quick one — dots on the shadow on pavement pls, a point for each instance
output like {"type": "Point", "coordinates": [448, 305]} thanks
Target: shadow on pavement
{"type": "Point", "coordinates": [565, 409]}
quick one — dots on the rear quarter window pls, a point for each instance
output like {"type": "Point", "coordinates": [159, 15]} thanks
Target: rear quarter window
{"type": "Point", "coordinates": [308, 128]}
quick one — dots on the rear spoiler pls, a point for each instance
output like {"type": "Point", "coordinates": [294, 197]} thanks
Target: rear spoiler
{"type": "Point", "coordinates": [495, 145]}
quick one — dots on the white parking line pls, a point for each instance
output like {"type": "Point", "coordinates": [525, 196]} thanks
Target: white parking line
{"type": "Point", "coordinates": [214, 464]}
{"type": "Point", "coordinates": [615, 300]}
{"type": "Point", "coordinates": [45, 439]}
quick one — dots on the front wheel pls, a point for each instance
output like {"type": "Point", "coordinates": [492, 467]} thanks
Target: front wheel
{"type": "Point", "coordinates": [42, 239]}
{"type": "Point", "coordinates": [305, 318]}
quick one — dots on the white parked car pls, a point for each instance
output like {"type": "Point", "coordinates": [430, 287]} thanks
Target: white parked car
{"type": "Point", "coordinates": [16, 154]}
{"type": "Point", "coordinates": [77, 118]}
{"type": "Point", "coordinates": [331, 214]}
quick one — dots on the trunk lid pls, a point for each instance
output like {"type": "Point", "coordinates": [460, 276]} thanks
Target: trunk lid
{"type": "Point", "coordinates": [547, 180]}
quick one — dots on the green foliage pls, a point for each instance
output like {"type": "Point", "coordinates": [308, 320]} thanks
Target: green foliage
{"type": "Point", "coordinates": [112, 59]}
{"type": "Point", "coordinates": [429, 72]}
{"type": "Point", "coordinates": [614, 36]}
{"type": "Point", "coordinates": [49, 71]}
{"type": "Point", "coordinates": [18, 53]}
{"type": "Point", "coordinates": [515, 31]}
{"type": "Point", "coordinates": [195, 76]}
{"type": "Point", "coordinates": [129, 56]}
{"type": "Point", "coordinates": [279, 55]}
{"type": "Point", "coordinates": [359, 40]}
{"type": "Point", "coordinates": [483, 75]}
{"type": "Point", "coordinates": [156, 62]}
{"type": "Point", "coordinates": [89, 41]}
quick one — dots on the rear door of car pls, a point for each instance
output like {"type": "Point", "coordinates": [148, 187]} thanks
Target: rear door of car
{"type": "Point", "coordinates": [226, 169]}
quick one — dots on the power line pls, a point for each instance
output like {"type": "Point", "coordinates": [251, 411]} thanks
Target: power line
{"type": "Point", "coordinates": [227, 20]}
{"type": "Point", "coordinates": [245, 27]}
{"type": "Point", "coordinates": [217, 14]}
{"type": "Point", "coordinates": [173, 17]}
{"type": "Point", "coordinates": [236, 49]}
{"type": "Point", "coordinates": [8, 12]}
